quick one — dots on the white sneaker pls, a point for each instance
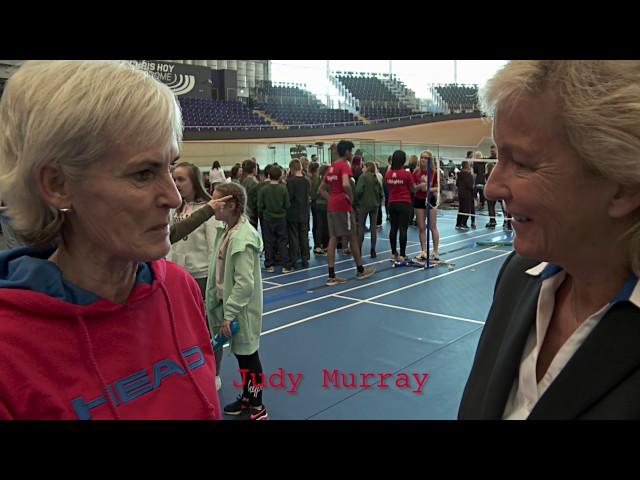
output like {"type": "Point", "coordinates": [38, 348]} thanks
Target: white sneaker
{"type": "Point", "coordinates": [218, 383]}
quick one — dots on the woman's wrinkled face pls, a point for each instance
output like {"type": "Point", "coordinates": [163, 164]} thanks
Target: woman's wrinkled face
{"type": "Point", "coordinates": [558, 207]}
{"type": "Point", "coordinates": [121, 207]}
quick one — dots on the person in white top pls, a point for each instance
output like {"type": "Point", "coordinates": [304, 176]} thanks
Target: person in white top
{"type": "Point", "coordinates": [561, 340]}
{"type": "Point", "coordinates": [193, 251]}
{"type": "Point", "coordinates": [216, 175]}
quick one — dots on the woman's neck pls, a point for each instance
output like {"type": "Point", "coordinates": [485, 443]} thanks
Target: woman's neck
{"type": "Point", "coordinates": [597, 281]}
{"type": "Point", "coordinates": [108, 278]}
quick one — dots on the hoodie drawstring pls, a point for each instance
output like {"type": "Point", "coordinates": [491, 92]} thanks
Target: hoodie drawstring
{"type": "Point", "coordinates": [209, 408]}
{"type": "Point", "coordinates": [87, 340]}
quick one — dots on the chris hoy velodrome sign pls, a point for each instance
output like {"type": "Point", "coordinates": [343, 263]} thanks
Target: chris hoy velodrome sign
{"type": "Point", "coordinates": [183, 80]}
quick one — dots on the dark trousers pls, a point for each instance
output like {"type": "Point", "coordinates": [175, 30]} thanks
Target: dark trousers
{"type": "Point", "coordinates": [507, 215]}
{"type": "Point", "coordinates": [253, 220]}
{"type": "Point", "coordinates": [379, 219]}
{"type": "Point", "coordinates": [298, 241]}
{"type": "Point", "coordinates": [314, 226]}
{"type": "Point", "coordinates": [274, 234]}
{"type": "Point", "coordinates": [323, 227]}
{"type": "Point", "coordinates": [400, 216]}
{"type": "Point", "coordinates": [472, 205]}
{"type": "Point", "coordinates": [254, 381]}
{"type": "Point", "coordinates": [479, 192]}
{"type": "Point", "coordinates": [362, 220]}
{"type": "Point", "coordinates": [386, 201]}
{"type": "Point", "coordinates": [491, 204]}
{"type": "Point", "coordinates": [261, 221]}
{"type": "Point", "coordinates": [465, 206]}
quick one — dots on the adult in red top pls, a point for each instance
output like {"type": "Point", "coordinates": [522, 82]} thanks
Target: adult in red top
{"type": "Point", "coordinates": [336, 188]}
{"type": "Point", "coordinates": [421, 205]}
{"type": "Point", "coordinates": [339, 199]}
{"type": "Point", "coordinates": [400, 185]}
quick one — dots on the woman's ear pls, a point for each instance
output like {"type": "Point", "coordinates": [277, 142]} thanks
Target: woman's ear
{"type": "Point", "coordinates": [625, 201]}
{"type": "Point", "coordinates": [54, 185]}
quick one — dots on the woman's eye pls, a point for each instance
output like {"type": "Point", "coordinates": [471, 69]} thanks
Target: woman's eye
{"type": "Point", "coordinates": [518, 164]}
{"type": "Point", "coordinates": [144, 175]}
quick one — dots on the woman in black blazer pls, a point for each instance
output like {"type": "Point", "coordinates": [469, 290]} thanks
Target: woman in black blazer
{"type": "Point", "coordinates": [562, 339]}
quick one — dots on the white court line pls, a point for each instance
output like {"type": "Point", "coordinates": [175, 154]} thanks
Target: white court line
{"type": "Point", "coordinates": [411, 270]}
{"type": "Point", "coordinates": [398, 307]}
{"type": "Point", "coordinates": [272, 283]}
{"type": "Point", "coordinates": [280, 285]}
{"type": "Point", "coordinates": [383, 238]}
{"type": "Point", "coordinates": [363, 256]}
{"type": "Point", "coordinates": [308, 318]}
{"type": "Point", "coordinates": [427, 280]}
{"type": "Point", "coordinates": [358, 302]}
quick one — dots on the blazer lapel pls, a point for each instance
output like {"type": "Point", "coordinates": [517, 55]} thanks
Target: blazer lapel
{"type": "Point", "coordinates": [507, 362]}
{"type": "Point", "coordinates": [608, 355]}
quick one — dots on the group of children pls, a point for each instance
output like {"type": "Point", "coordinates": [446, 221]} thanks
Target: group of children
{"type": "Point", "coordinates": [287, 204]}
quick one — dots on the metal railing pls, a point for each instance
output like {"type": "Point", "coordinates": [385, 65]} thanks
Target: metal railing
{"type": "Point", "coordinates": [299, 126]}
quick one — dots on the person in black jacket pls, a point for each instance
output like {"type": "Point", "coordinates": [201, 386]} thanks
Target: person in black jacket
{"type": "Point", "coordinates": [465, 186]}
{"type": "Point", "coordinates": [298, 215]}
{"type": "Point", "coordinates": [561, 339]}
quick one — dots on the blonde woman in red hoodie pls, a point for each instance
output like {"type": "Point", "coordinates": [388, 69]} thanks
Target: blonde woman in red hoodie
{"type": "Point", "coordinates": [95, 323]}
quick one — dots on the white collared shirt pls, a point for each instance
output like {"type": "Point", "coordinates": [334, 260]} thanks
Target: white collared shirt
{"type": "Point", "coordinates": [526, 390]}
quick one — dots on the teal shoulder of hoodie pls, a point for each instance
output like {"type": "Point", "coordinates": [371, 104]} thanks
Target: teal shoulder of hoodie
{"type": "Point", "coordinates": [27, 268]}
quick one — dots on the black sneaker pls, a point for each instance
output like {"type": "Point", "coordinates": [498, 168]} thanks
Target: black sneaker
{"type": "Point", "coordinates": [237, 407]}
{"type": "Point", "coordinates": [373, 254]}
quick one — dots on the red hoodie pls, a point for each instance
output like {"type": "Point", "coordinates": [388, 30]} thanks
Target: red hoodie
{"type": "Point", "coordinates": [151, 354]}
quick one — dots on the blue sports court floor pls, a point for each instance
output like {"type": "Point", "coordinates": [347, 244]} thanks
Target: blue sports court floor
{"type": "Point", "coordinates": [412, 330]}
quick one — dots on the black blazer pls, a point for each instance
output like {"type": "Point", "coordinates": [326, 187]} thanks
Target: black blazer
{"type": "Point", "coordinates": [600, 381]}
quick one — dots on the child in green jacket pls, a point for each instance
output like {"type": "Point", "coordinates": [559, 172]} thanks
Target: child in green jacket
{"type": "Point", "coordinates": [234, 292]}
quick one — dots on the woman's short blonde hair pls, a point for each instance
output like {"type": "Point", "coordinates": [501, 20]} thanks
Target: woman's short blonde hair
{"type": "Point", "coordinates": [599, 106]}
{"type": "Point", "coordinates": [73, 113]}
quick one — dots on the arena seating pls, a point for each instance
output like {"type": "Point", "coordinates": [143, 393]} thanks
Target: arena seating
{"type": "Point", "coordinates": [375, 98]}
{"type": "Point", "coordinates": [459, 98]}
{"type": "Point", "coordinates": [292, 105]}
{"type": "Point", "coordinates": [198, 112]}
